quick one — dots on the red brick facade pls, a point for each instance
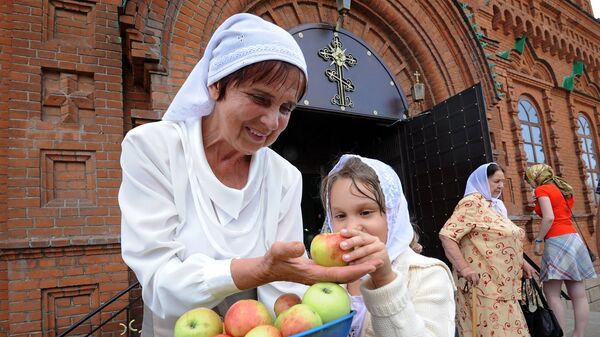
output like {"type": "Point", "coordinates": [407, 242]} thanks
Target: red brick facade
{"type": "Point", "coordinates": [76, 75]}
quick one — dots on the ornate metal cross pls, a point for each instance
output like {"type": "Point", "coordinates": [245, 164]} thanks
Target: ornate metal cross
{"type": "Point", "coordinates": [340, 60]}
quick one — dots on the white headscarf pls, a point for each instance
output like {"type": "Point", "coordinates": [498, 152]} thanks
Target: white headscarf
{"type": "Point", "coordinates": [241, 40]}
{"type": "Point", "coordinates": [400, 230]}
{"type": "Point", "coordinates": [478, 182]}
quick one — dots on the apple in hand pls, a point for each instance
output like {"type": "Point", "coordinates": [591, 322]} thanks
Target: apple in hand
{"type": "Point", "coordinates": [244, 315]}
{"type": "Point", "coordinates": [285, 302]}
{"type": "Point", "coordinates": [264, 331]}
{"type": "Point", "coordinates": [330, 300]}
{"type": "Point", "coordinates": [199, 322]}
{"type": "Point", "coordinates": [325, 250]}
{"type": "Point", "coordinates": [296, 319]}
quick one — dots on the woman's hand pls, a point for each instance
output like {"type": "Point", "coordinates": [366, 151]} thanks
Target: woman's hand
{"type": "Point", "coordinates": [363, 247]}
{"type": "Point", "coordinates": [470, 275]}
{"type": "Point", "coordinates": [285, 261]}
{"type": "Point", "coordinates": [538, 250]}
{"type": "Point", "coordinates": [529, 271]}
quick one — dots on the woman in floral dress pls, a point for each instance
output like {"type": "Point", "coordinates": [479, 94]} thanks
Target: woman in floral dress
{"type": "Point", "coordinates": [486, 250]}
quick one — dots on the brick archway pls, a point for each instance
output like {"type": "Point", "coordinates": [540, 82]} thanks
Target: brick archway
{"type": "Point", "coordinates": [425, 36]}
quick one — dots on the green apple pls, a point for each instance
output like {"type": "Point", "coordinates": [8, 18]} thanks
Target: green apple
{"type": "Point", "coordinates": [199, 322]}
{"type": "Point", "coordinates": [330, 300]}
{"type": "Point", "coordinates": [325, 250]}
{"type": "Point", "coordinates": [264, 331]}
{"type": "Point", "coordinates": [296, 319]}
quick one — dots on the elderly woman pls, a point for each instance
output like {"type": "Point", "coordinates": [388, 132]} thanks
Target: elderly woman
{"type": "Point", "coordinates": [486, 250]}
{"type": "Point", "coordinates": [565, 258]}
{"type": "Point", "coordinates": [208, 210]}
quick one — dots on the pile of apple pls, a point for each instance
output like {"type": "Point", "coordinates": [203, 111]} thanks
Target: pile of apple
{"type": "Point", "coordinates": [321, 303]}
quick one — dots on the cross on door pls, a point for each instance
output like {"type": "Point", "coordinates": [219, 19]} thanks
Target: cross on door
{"type": "Point", "coordinates": [340, 60]}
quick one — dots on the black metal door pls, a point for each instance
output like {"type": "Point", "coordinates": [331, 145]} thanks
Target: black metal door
{"type": "Point", "coordinates": [441, 148]}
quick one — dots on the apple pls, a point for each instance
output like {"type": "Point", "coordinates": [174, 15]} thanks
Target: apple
{"type": "Point", "coordinates": [222, 335]}
{"type": "Point", "coordinates": [296, 319]}
{"type": "Point", "coordinates": [244, 315]}
{"type": "Point", "coordinates": [285, 302]}
{"type": "Point", "coordinates": [199, 322]}
{"type": "Point", "coordinates": [330, 300]}
{"type": "Point", "coordinates": [325, 250]}
{"type": "Point", "coordinates": [264, 331]}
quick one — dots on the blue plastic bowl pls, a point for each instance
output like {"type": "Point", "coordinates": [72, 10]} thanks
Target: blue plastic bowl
{"type": "Point", "coordinates": [336, 328]}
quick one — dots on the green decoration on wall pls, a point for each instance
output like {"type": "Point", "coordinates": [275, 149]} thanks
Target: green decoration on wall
{"type": "Point", "coordinates": [479, 35]}
{"type": "Point", "coordinates": [484, 44]}
{"type": "Point", "coordinates": [498, 85]}
{"type": "Point", "coordinates": [505, 54]}
{"type": "Point", "coordinates": [568, 82]}
{"type": "Point", "coordinates": [578, 68]}
{"type": "Point", "coordinates": [491, 65]}
{"type": "Point", "coordinates": [500, 94]}
{"type": "Point", "coordinates": [520, 44]}
{"type": "Point", "coordinates": [464, 5]}
{"type": "Point", "coordinates": [469, 15]}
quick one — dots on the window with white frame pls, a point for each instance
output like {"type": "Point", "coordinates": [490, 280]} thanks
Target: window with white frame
{"type": "Point", "coordinates": [532, 132]}
{"type": "Point", "coordinates": [588, 153]}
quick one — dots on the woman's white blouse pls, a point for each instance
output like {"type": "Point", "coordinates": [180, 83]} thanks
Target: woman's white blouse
{"type": "Point", "coordinates": [181, 227]}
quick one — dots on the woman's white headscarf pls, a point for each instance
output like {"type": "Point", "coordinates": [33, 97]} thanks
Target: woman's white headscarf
{"type": "Point", "coordinates": [478, 182]}
{"type": "Point", "coordinates": [241, 40]}
{"type": "Point", "coordinates": [400, 230]}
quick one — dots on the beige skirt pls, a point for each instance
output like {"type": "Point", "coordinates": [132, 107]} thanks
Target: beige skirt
{"type": "Point", "coordinates": [495, 318]}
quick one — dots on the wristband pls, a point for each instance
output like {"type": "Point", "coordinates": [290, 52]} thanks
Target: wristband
{"type": "Point", "coordinates": [538, 241]}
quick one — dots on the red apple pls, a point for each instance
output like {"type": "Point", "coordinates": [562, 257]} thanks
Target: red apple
{"type": "Point", "coordinates": [285, 302]}
{"type": "Point", "coordinates": [325, 250]}
{"type": "Point", "coordinates": [330, 300]}
{"type": "Point", "coordinates": [264, 331]}
{"type": "Point", "coordinates": [297, 319]}
{"type": "Point", "coordinates": [244, 315]}
{"type": "Point", "coordinates": [199, 322]}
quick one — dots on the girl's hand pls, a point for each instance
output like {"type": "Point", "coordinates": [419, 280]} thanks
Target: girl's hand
{"type": "Point", "coordinates": [362, 248]}
{"type": "Point", "coordinates": [470, 275]}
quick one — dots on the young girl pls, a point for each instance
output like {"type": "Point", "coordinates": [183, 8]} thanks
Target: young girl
{"type": "Point", "coordinates": [408, 294]}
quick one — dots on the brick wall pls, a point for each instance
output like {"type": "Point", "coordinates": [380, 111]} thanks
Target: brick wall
{"type": "Point", "coordinates": [61, 66]}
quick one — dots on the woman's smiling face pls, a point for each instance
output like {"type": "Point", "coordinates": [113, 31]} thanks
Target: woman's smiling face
{"type": "Point", "coordinates": [253, 114]}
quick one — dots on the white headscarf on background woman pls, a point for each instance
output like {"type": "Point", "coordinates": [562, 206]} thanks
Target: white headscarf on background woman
{"type": "Point", "coordinates": [478, 182]}
{"type": "Point", "coordinates": [241, 40]}
{"type": "Point", "coordinates": [400, 230]}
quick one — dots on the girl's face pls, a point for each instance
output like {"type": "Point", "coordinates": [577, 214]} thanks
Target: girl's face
{"type": "Point", "coordinates": [351, 209]}
{"type": "Point", "coordinates": [496, 182]}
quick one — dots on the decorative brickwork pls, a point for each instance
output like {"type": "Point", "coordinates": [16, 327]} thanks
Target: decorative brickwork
{"type": "Point", "coordinates": [68, 178]}
{"type": "Point", "coordinates": [62, 307]}
{"type": "Point", "coordinates": [69, 22]}
{"type": "Point", "coordinates": [68, 98]}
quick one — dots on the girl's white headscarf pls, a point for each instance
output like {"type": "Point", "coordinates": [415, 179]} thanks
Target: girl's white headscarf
{"type": "Point", "coordinates": [241, 40]}
{"type": "Point", "coordinates": [478, 182]}
{"type": "Point", "coordinates": [400, 230]}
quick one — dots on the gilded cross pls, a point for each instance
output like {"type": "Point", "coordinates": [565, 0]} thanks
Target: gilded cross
{"type": "Point", "coordinates": [340, 61]}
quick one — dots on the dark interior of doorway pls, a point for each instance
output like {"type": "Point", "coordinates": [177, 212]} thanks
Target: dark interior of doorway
{"type": "Point", "coordinates": [313, 141]}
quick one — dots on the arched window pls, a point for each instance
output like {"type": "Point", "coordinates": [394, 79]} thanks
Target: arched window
{"type": "Point", "coordinates": [532, 132]}
{"type": "Point", "coordinates": [588, 154]}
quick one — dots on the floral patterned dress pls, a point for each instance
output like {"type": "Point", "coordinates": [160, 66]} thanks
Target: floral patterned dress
{"type": "Point", "coordinates": [493, 247]}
